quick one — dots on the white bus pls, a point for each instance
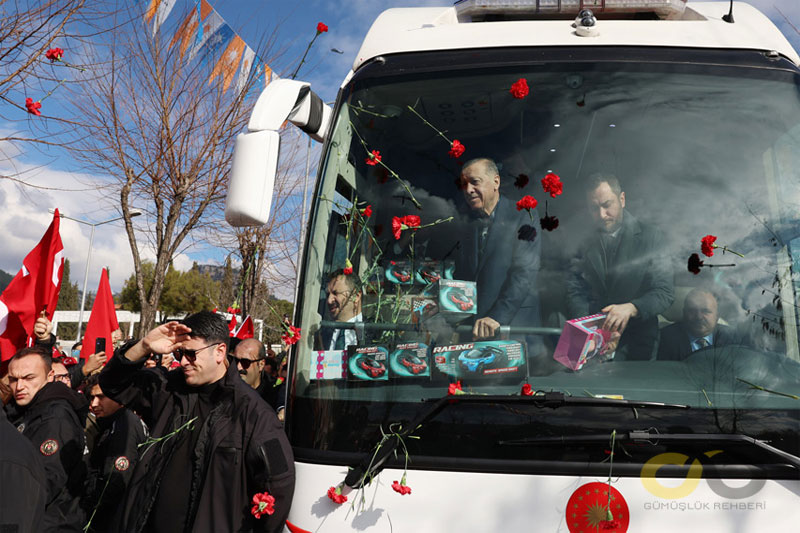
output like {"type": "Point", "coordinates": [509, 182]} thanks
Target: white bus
{"type": "Point", "coordinates": [664, 123]}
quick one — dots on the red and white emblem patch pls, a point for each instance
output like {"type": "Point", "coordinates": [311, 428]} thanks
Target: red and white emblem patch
{"type": "Point", "coordinates": [49, 447]}
{"type": "Point", "coordinates": [589, 506]}
{"type": "Point", "coordinates": [122, 463]}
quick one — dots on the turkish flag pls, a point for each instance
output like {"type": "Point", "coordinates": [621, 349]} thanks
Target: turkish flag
{"type": "Point", "coordinates": [232, 326]}
{"type": "Point", "coordinates": [34, 289]}
{"type": "Point", "coordinates": [245, 331]}
{"type": "Point", "coordinates": [102, 321]}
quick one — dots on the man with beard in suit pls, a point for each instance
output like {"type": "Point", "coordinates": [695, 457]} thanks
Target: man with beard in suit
{"type": "Point", "coordinates": [620, 270]}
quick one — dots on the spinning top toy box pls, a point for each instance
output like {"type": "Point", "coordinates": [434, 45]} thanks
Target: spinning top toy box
{"type": "Point", "coordinates": [580, 340]}
{"type": "Point", "coordinates": [328, 364]}
{"type": "Point", "coordinates": [484, 359]}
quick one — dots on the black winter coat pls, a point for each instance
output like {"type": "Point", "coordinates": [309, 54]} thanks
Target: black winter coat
{"type": "Point", "coordinates": [53, 422]}
{"type": "Point", "coordinates": [111, 463]}
{"type": "Point", "coordinates": [241, 449]}
{"type": "Point", "coordinates": [21, 507]}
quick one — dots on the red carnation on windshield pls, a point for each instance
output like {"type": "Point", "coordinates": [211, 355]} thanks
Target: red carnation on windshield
{"type": "Point", "coordinates": [401, 487]}
{"type": "Point", "coordinates": [321, 27]}
{"type": "Point", "coordinates": [519, 89]}
{"type": "Point", "coordinates": [456, 149]}
{"type": "Point", "coordinates": [455, 388]}
{"type": "Point", "coordinates": [527, 202]}
{"type": "Point", "coordinates": [373, 158]}
{"type": "Point", "coordinates": [527, 390]}
{"type": "Point", "coordinates": [367, 211]}
{"type": "Point", "coordinates": [551, 183]}
{"type": "Point", "coordinates": [402, 223]}
{"type": "Point", "coordinates": [707, 245]}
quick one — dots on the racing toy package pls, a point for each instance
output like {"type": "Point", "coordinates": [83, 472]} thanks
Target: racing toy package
{"type": "Point", "coordinates": [430, 272]}
{"type": "Point", "coordinates": [410, 361]}
{"type": "Point", "coordinates": [327, 365]}
{"type": "Point", "coordinates": [457, 296]}
{"type": "Point", "coordinates": [581, 339]}
{"type": "Point", "coordinates": [399, 273]}
{"type": "Point", "coordinates": [367, 363]}
{"type": "Point", "coordinates": [483, 359]}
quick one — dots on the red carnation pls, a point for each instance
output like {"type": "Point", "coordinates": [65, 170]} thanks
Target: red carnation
{"type": "Point", "coordinates": [707, 245]}
{"type": "Point", "coordinates": [54, 54]}
{"type": "Point", "coordinates": [549, 223]}
{"type": "Point", "coordinates": [455, 388]}
{"type": "Point", "coordinates": [367, 212]}
{"type": "Point", "coordinates": [401, 223]}
{"type": "Point", "coordinates": [348, 267]}
{"type": "Point", "coordinates": [527, 202]}
{"type": "Point", "coordinates": [527, 390]}
{"type": "Point", "coordinates": [291, 336]}
{"type": "Point", "coordinates": [694, 264]}
{"type": "Point", "coordinates": [401, 487]}
{"type": "Point", "coordinates": [551, 183]}
{"type": "Point", "coordinates": [33, 107]}
{"type": "Point", "coordinates": [263, 503]}
{"type": "Point", "coordinates": [521, 181]}
{"type": "Point", "coordinates": [519, 89]}
{"type": "Point", "coordinates": [456, 149]}
{"type": "Point", "coordinates": [373, 158]}
{"type": "Point", "coordinates": [321, 28]}
{"type": "Point", "coordinates": [335, 494]}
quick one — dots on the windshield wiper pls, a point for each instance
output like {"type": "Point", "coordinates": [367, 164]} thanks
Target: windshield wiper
{"type": "Point", "coordinates": [654, 437]}
{"type": "Point", "coordinates": [372, 463]}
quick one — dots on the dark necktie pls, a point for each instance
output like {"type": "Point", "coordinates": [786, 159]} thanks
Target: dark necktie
{"type": "Point", "coordinates": [702, 342]}
{"type": "Point", "coordinates": [339, 344]}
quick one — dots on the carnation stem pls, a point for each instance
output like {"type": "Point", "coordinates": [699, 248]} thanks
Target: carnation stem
{"type": "Point", "coordinates": [303, 59]}
{"type": "Point", "coordinates": [442, 135]}
{"type": "Point", "coordinates": [726, 249]}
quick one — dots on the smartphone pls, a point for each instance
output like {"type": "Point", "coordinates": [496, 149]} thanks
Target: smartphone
{"type": "Point", "coordinates": [99, 344]}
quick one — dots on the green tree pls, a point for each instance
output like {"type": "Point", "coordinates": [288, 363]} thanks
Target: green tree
{"type": "Point", "coordinates": [68, 300]}
{"type": "Point", "coordinates": [184, 292]}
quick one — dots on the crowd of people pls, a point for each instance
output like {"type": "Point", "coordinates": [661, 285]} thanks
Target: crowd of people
{"type": "Point", "coordinates": [177, 431]}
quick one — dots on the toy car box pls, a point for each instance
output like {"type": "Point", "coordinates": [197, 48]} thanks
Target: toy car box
{"type": "Point", "coordinates": [410, 360]}
{"type": "Point", "coordinates": [430, 272]}
{"type": "Point", "coordinates": [484, 359]}
{"type": "Point", "coordinates": [580, 340]}
{"type": "Point", "coordinates": [399, 272]}
{"type": "Point", "coordinates": [458, 297]}
{"type": "Point", "coordinates": [367, 363]}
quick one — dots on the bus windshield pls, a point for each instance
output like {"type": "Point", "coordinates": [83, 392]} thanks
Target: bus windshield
{"type": "Point", "coordinates": [467, 214]}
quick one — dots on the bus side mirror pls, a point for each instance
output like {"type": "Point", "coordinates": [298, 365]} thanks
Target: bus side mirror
{"type": "Point", "coordinates": [255, 163]}
{"type": "Point", "coordinates": [256, 153]}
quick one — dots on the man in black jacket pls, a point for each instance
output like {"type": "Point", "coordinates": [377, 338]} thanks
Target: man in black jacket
{"type": "Point", "coordinates": [21, 509]}
{"type": "Point", "coordinates": [51, 416]}
{"type": "Point", "coordinates": [214, 443]}
{"type": "Point", "coordinates": [700, 328]}
{"type": "Point", "coordinates": [250, 356]}
{"type": "Point", "coordinates": [620, 271]}
{"type": "Point", "coordinates": [112, 458]}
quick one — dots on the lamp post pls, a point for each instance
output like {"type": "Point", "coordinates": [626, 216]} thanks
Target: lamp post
{"type": "Point", "coordinates": [89, 257]}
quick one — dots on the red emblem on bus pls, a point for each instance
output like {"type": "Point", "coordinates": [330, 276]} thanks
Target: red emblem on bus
{"type": "Point", "coordinates": [588, 507]}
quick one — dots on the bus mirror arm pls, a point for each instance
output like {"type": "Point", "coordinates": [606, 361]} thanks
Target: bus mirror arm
{"type": "Point", "coordinates": [256, 152]}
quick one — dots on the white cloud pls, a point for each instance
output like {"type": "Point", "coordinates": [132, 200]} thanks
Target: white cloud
{"type": "Point", "coordinates": [24, 218]}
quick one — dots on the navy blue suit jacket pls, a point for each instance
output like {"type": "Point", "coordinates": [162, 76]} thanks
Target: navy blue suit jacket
{"type": "Point", "coordinates": [506, 271]}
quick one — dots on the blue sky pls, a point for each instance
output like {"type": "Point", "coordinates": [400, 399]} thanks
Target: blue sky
{"type": "Point", "coordinates": [23, 214]}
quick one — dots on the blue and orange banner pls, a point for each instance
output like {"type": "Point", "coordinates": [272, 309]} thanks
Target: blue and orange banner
{"type": "Point", "coordinates": [204, 34]}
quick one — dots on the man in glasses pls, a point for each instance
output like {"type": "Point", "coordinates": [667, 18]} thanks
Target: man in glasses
{"type": "Point", "coordinates": [251, 359]}
{"type": "Point", "coordinates": [218, 443]}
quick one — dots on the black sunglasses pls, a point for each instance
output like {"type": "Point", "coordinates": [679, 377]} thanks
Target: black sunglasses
{"type": "Point", "coordinates": [191, 355]}
{"type": "Point", "coordinates": [246, 362]}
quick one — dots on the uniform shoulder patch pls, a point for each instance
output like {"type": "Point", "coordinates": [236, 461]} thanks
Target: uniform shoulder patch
{"type": "Point", "coordinates": [49, 447]}
{"type": "Point", "coordinates": [121, 463]}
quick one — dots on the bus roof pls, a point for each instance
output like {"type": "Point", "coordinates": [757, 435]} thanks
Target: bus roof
{"type": "Point", "coordinates": [700, 26]}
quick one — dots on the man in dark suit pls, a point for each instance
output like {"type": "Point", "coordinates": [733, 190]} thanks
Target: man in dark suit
{"type": "Point", "coordinates": [699, 328]}
{"type": "Point", "coordinates": [498, 253]}
{"type": "Point", "coordinates": [621, 271]}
